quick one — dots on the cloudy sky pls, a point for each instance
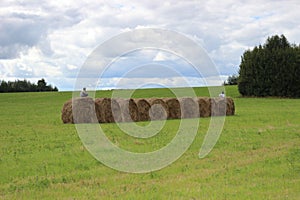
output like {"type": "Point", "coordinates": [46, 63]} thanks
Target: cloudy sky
{"type": "Point", "coordinates": [53, 39]}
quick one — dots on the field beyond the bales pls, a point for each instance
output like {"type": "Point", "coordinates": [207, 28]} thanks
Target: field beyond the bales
{"type": "Point", "coordinates": [256, 157]}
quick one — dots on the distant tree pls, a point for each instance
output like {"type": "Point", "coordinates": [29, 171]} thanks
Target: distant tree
{"type": "Point", "coordinates": [271, 70]}
{"type": "Point", "coordinates": [55, 89]}
{"type": "Point", "coordinates": [25, 86]}
{"type": "Point", "coordinates": [231, 80]}
{"type": "Point", "coordinates": [41, 85]}
{"type": "Point", "coordinates": [3, 86]}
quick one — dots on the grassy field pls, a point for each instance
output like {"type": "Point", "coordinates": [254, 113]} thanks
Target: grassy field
{"type": "Point", "coordinates": [256, 157]}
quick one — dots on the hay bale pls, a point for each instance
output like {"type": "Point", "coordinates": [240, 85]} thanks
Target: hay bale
{"type": "Point", "coordinates": [189, 107]}
{"type": "Point", "coordinates": [101, 109]}
{"type": "Point", "coordinates": [66, 112]}
{"type": "Point", "coordinates": [230, 107]}
{"type": "Point", "coordinates": [222, 106]}
{"type": "Point", "coordinates": [143, 109]}
{"type": "Point", "coordinates": [98, 108]}
{"type": "Point", "coordinates": [204, 106]}
{"type": "Point", "coordinates": [83, 110]}
{"type": "Point", "coordinates": [159, 109]}
{"type": "Point", "coordinates": [108, 110]}
{"type": "Point", "coordinates": [174, 111]}
{"type": "Point", "coordinates": [214, 107]}
{"type": "Point", "coordinates": [129, 110]}
{"type": "Point", "coordinates": [218, 106]}
{"type": "Point", "coordinates": [116, 110]}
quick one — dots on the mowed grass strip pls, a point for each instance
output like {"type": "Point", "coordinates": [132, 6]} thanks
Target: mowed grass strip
{"type": "Point", "coordinates": [256, 157]}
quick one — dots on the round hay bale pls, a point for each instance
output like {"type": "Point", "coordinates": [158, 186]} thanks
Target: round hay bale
{"type": "Point", "coordinates": [108, 110]}
{"type": "Point", "coordinates": [218, 106]}
{"type": "Point", "coordinates": [222, 106]}
{"type": "Point", "coordinates": [189, 107]}
{"type": "Point", "coordinates": [116, 110]}
{"type": "Point", "coordinates": [129, 110]}
{"type": "Point", "coordinates": [98, 108]}
{"type": "Point", "coordinates": [101, 109]}
{"type": "Point", "coordinates": [204, 106]}
{"type": "Point", "coordinates": [174, 111]}
{"type": "Point", "coordinates": [83, 110]}
{"type": "Point", "coordinates": [66, 112]}
{"type": "Point", "coordinates": [230, 107]}
{"type": "Point", "coordinates": [143, 109]}
{"type": "Point", "coordinates": [214, 107]}
{"type": "Point", "coordinates": [159, 109]}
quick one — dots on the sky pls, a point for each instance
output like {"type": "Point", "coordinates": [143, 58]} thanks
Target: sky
{"type": "Point", "coordinates": [54, 39]}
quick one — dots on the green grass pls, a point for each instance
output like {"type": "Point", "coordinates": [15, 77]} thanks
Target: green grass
{"type": "Point", "coordinates": [256, 157]}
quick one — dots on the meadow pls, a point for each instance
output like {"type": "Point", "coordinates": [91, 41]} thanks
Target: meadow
{"type": "Point", "coordinates": [256, 157]}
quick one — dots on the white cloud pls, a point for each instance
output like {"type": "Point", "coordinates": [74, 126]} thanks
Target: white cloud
{"type": "Point", "coordinates": [164, 56]}
{"type": "Point", "coordinates": [52, 39]}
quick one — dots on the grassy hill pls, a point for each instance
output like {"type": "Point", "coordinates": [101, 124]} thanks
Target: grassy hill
{"type": "Point", "coordinates": [256, 157]}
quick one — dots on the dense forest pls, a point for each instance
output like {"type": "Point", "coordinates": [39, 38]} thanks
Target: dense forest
{"type": "Point", "coordinates": [25, 86]}
{"type": "Point", "coordinates": [271, 70]}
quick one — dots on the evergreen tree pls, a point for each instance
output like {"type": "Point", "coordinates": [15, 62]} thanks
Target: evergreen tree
{"type": "Point", "coordinates": [41, 85]}
{"type": "Point", "coordinates": [271, 69]}
{"type": "Point", "coordinates": [25, 86]}
{"type": "Point", "coordinates": [232, 80]}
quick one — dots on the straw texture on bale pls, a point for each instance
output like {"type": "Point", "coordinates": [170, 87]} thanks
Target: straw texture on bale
{"type": "Point", "coordinates": [83, 110]}
{"type": "Point", "coordinates": [230, 107]}
{"type": "Point", "coordinates": [159, 109]}
{"type": "Point", "coordinates": [204, 106]}
{"type": "Point", "coordinates": [66, 113]}
{"type": "Point", "coordinates": [107, 110]}
{"type": "Point", "coordinates": [129, 110]}
{"type": "Point", "coordinates": [174, 111]}
{"type": "Point", "coordinates": [189, 107]}
{"type": "Point", "coordinates": [222, 106]}
{"type": "Point", "coordinates": [218, 106]}
{"type": "Point", "coordinates": [116, 111]}
{"type": "Point", "coordinates": [143, 109]}
{"type": "Point", "coordinates": [99, 112]}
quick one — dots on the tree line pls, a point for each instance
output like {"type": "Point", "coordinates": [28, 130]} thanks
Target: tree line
{"type": "Point", "coordinates": [25, 86]}
{"type": "Point", "coordinates": [231, 80]}
{"type": "Point", "coordinates": [272, 69]}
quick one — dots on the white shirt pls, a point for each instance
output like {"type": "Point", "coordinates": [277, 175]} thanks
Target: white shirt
{"type": "Point", "coordinates": [222, 95]}
{"type": "Point", "coordinates": [83, 93]}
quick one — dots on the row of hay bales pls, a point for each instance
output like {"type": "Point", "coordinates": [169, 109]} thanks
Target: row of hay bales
{"type": "Point", "coordinates": [108, 110]}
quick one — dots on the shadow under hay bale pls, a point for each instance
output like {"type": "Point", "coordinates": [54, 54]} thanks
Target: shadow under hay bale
{"type": "Point", "coordinates": [143, 109]}
{"type": "Point", "coordinates": [66, 113]}
{"type": "Point", "coordinates": [174, 110]}
{"type": "Point", "coordinates": [83, 110]}
{"type": "Point", "coordinates": [159, 109]}
{"type": "Point", "coordinates": [204, 106]}
{"type": "Point", "coordinates": [189, 107]}
{"type": "Point", "coordinates": [129, 110]}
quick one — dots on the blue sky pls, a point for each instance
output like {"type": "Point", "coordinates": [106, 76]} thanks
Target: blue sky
{"type": "Point", "coordinates": [53, 39]}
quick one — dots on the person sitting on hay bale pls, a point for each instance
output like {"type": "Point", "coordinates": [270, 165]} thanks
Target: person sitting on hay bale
{"type": "Point", "coordinates": [84, 93]}
{"type": "Point", "coordinates": [222, 95]}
